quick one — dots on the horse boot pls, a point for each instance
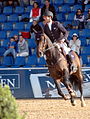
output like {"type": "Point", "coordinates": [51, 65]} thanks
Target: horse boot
{"type": "Point", "coordinates": [70, 62]}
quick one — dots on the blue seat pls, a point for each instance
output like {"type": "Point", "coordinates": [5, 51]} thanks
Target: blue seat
{"type": "Point", "coordinates": [2, 50]}
{"type": "Point", "coordinates": [31, 43]}
{"type": "Point", "coordinates": [8, 61]}
{"type": "Point", "coordinates": [65, 8]}
{"type": "Point", "coordinates": [3, 34]}
{"type": "Point", "coordinates": [19, 61]}
{"type": "Point", "coordinates": [70, 2]}
{"type": "Point", "coordinates": [75, 7]}
{"type": "Point", "coordinates": [5, 43]}
{"type": "Point", "coordinates": [12, 33]}
{"type": "Point", "coordinates": [60, 17]}
{"type": "Point", "coordinates": [87, 7]}
{"type": "Point", "coordinates": [83, 41]}
{"type": "Point", "coordinates": [28, 25]}
{"type": "Point", "coordinates": [66, 23]}
{"type": "Point", "coordinates": [19, 10]}
{"type": "Point", "coordinates": [71, 32]}
{"type": "Point", "coordinates": [85, 50]}
{"type": "Point", "coordinates": [28, 9]}
{"type": "Point", "coordinates": [25, 16]}
{"type": "Point", "coordinates": [19, 26]}
{"type": "Point", "coordinates": [85, 33]}
{"type": "Point", "coordinates": [32, 61]}
{"type": "Point", "coordinates": [7, 26]}
{"type": "Point", "coordinates": [70, 16]}
{"type": "Point", "coordinates": [13, 18]}
{"type": "Point", "coordinates": [3, 18]}
{"type": "Point", "coordinates": [8, 10]}
{"type": "Point", "coordinates": [84, 59]}
{"type": "Point", "coordinates": [41, 62]}
{"type": "Point", "coordinates": [58, 2]}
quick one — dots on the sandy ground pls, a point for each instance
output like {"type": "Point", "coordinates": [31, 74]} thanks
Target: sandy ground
{"type": "Point", "coordinates": [53, 109]}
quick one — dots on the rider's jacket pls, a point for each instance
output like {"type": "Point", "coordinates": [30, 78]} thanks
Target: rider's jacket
{"type": "Point", "coordinates": [57, 32]}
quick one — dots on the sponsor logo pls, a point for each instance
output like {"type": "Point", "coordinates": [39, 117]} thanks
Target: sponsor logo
{"type": "Point", "coordinates": [12, 80]}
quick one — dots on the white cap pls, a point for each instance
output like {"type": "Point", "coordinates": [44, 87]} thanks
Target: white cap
{"type": "Point", "coordinates": [74, 35]}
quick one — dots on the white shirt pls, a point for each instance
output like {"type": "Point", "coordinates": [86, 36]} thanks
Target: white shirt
{"type": "Point", "coordinates": [75, 45]}
{"type": "Point", "coordinates": [50, 25]}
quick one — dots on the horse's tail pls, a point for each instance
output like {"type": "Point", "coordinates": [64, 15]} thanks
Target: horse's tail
{"type": "Point", "coordinates": [75, 82]}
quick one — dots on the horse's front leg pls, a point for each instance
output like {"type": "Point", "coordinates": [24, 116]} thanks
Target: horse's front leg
{"type": "Point", "coordinates": [59, 89]}
{"type": "Point", "coordinates": [68, 85]}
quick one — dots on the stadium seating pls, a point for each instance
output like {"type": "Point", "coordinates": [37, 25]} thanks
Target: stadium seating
{"type": "Point", "coordinates": [7, 26]}
{"type": "Point", "coordinates": [19, 26]}
{"type": "Point", "coordinates": [58, 2]}
{"type": "Point", "coordinates": [3, 35]}
{"type": "Point", "coordinates": [8, 10]}
{"type": "Point", "coordinates": [13, 18]}
{"type": "Point", "coordinates": [19, 10]}
{"type": "Point", "coordinates": [75, 7]}
{"type": "Point", "coordinates": [41, 62]}
{"type": "Point", "coordinates": [3, 18]}
{"type": "Point", "coordinates": [19, 62]}
{"type": "Point", "coordinates": [87, 7]}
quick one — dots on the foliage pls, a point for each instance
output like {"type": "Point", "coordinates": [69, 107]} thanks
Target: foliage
{"type": "Point", "coordinates": [8, 107]}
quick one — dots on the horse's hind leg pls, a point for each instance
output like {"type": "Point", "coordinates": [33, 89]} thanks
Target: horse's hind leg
{"type": "Point", "coordinates": [81, 91]}
{"type": "Point", "coordinates": [69, 87]}
{"type": "Point", "coordinates": [59, 89]}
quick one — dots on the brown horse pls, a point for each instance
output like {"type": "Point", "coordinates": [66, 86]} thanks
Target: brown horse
{"type": "Point", "coordinates": [58, 68]}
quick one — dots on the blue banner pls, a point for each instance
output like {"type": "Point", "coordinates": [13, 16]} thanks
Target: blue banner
{"type": "Point", "coordinates": [34, 82]}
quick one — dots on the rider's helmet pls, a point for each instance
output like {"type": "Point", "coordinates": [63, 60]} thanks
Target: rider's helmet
{"type": "Point", "coordinates": [48, 13]}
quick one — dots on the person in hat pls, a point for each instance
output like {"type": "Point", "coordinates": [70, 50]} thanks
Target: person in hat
{"type": "Point", "coordinates": [57, 33]}
{"type": "Point", "coordinates": [75, 43]}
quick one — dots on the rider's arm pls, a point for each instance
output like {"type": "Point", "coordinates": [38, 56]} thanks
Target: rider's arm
{"type": "Point", "coordinates": [63, 30]}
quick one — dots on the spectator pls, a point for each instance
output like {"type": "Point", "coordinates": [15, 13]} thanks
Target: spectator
{"type": "Point", "coordinates": [35, 12]}
{"type": "Point", "coordinates": [48, 7]}
{"type": "Point", "coordinates": [87, 20]}
{"type": "Point", "coordinates": [11, 48]}
{"type": "Point", "coordinates": [75, 43]}
{"type": "Point", "coordinates": [23, 49]}
{"type": "Point", "coordinates": [36, 29]}
{"type": "Point", "coordinates": [79, 19]}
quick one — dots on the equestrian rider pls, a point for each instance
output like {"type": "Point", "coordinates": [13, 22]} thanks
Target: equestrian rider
{"type": "Point", "coordinates": [57, 33]}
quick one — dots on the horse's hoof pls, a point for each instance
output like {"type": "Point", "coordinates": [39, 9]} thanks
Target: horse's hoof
{"type": "Point", "coordinates": [73, 103]}
{"type": "Point", "coordinates": [67, 97]}
{"type": "Point", "coordinates": [83, 104]}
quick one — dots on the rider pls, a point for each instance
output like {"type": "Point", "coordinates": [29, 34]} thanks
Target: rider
{"type": "Point", "coordinates": [57, 33]}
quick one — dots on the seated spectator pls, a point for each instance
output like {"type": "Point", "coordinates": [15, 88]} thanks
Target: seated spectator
{"type": "Point", "coordinates": [23, 49]}
{"type": "Point", "coordinates": [11, 48]}
{"type": "Point", "coordinates": [75, 43]}
{"type": "Point", "coordinates": [79, 19]}
{"type": "Point", "coordinates": [48, 7]}
{"type": "Point", "coordinates": [36, 29]}
{"type": "Point", "coordinates": [87, 20]}
{"type": "Point", "coordinates": [35, 12]}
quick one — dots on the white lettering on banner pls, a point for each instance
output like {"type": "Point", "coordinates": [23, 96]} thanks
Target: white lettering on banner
{"type": "Point", "coordinates": [9, 82]}
{"type": "Point", "coordinates": [13, 83]}
{"type": "Point", "coordinates": [50, 84]}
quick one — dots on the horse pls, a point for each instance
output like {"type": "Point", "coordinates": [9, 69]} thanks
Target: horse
{"type": "Point", "coordinates": [59, 71]}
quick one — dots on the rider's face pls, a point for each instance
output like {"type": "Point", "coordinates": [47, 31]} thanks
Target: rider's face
{"type": "Point", "coordinates": [47, 19]}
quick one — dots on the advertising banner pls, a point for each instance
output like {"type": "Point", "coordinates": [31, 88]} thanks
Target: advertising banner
{"type": "Point", "coordinates": [34, 82]}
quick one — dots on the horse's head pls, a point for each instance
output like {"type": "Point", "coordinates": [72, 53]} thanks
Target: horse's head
{"type": "Point", "coordinates": [41, 45]}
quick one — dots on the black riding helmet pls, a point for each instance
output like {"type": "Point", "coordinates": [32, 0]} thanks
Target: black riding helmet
{"type": "Point", "coordinates": [48, 13]}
